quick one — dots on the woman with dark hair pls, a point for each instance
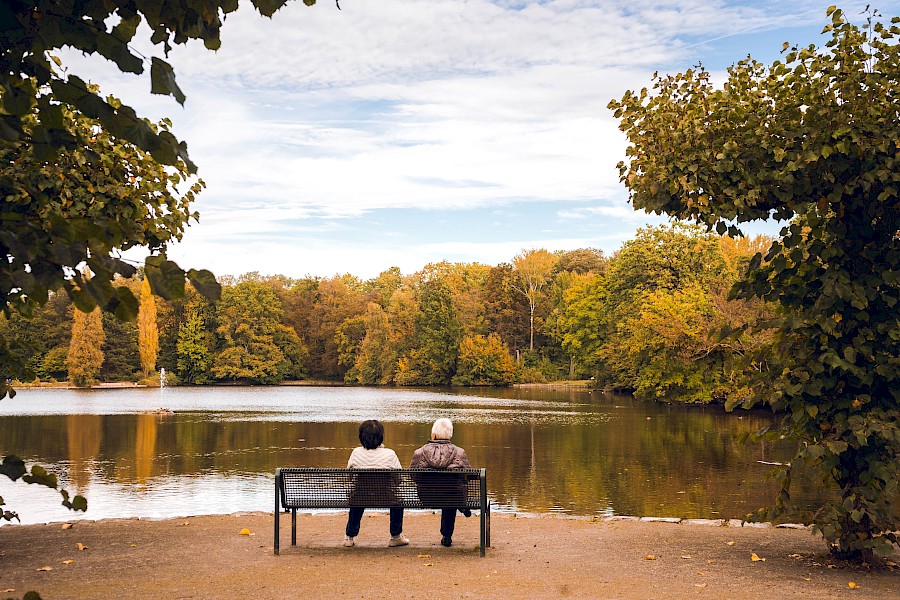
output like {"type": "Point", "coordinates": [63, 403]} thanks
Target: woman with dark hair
{"type": "Point", "coordinates": [373, 455]}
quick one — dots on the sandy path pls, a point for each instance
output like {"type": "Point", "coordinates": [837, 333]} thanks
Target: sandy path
{"type": "Point", "coordinates": [536, 557]}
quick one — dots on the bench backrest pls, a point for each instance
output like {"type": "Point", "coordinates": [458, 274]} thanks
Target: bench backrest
{"type": "Point", "coordinates": [381, 488]}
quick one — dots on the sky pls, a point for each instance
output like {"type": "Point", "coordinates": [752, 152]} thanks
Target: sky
{"type": "Point", "coordinates": [404, 132]}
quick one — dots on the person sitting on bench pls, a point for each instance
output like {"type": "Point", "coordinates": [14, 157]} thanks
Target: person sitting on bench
{"type": "Point", "coordinates": [373, 455]}
{"type": "Point", "coordinates": [440, 453]}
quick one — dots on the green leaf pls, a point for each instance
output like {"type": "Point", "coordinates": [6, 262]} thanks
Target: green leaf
{"type": "Point", "coordinates": [13, 467]}
{"type": "Point", "coordinates": [162, 79]}
{"type": "Point", "coordinates": [206, 283]}
{"type": "Point", "coordinates": [166, 277]}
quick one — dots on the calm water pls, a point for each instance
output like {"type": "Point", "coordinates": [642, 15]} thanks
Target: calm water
{"type": "Point", "coordinates": [545, 451]}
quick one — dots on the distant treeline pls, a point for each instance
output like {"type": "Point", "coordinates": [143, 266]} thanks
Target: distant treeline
{"type": "Point", "coordinates": [646, 319]}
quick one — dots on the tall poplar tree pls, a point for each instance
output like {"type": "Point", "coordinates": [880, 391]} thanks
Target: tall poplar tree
{"type": "Point", "coordinates": [85, 356]}
{"type": "Point", "coordinates": [533, 269]}
{"type": "Point", "coordinates": [148, 335]}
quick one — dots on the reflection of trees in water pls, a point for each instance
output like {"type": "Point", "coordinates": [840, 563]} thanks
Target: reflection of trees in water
{"type": "Point", "coordinates": [144, 447]}
{"type": "Point", "coordinates": [680, 462]}
{"type": "Point", "coordinates": [84, 434]}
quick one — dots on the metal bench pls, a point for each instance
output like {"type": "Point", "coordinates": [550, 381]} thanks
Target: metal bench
{"type": "Point", "coordinates": [297, 488]}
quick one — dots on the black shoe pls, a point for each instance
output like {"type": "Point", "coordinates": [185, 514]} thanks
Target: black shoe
{"type": "Point", "coordinates": [466, 512]}
{"type": "Point", "coordinates": [446, 542]}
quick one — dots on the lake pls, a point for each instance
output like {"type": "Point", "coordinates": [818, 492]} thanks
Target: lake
{"type": "Point", "coordinates": [215, 449]}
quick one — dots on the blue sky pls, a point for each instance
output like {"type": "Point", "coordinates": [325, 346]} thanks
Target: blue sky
{"type": "Point", "coordinates": [403, 132]}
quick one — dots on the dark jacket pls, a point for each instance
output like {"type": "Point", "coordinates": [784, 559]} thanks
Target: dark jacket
{"type": "Point", "coordinates": [439, 454]}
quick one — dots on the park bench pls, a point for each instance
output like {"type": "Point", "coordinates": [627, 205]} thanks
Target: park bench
{"type": "Point", "coordinates": [308, 488]}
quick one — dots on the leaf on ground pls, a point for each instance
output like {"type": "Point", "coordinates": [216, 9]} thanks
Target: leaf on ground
{"type": "Point", "coordinates": [755, 558]}
{"type": "Point", "coordinates": [686, 556]}
{"type": "Point", "coordinates": [794, 556]}
{"type": "Point", "coordinates": [67, 562]}
{"type": "Point", "coordinates": [710, 561]}
{"type": "Point", "coordinates": [184, 524]}
{"type": "Point", "coordinates": [852, 586]}
{"type": "Point", "coordinates": [700, 585]}
{"type": "Point", "coordinates": [45, 569]}
{"type": "Point", "coordinates": [67, 525]}
{"type": "Point", "coordinates": [649, 557]}
{"type": "Point", "coordinates": [423, 556]}
{"type": "Point", "coordinates": [8, 591]}
{"type": "Point", "coordinates": [82, 546]}
{"type": "Point", "coordinates": [730, 543]}
{"type": "Point", "coordinates": [429, 564]}
{"type": "Point", "coordinates": [134, 545]}
{"type": "Point", "coordinates": [245, 531]}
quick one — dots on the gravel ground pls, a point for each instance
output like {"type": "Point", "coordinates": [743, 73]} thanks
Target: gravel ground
{"type": "Point", "coordinates": [541, 557]}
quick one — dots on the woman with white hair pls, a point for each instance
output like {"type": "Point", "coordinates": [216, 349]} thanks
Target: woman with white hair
{"type": "Point", "coordinates": [440, 453]}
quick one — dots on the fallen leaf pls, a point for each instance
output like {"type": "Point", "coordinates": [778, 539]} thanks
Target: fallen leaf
{"type": "Point", "coordinates": [184, 524]}
{"type": "Point", "coordinates": [45, 569]}
{"type": "Point", "coordinates": [700, 585]}
{"type": "Point", "coordinates": [82, 546]}
{"type": "Point", "coordinates": [429, 564]}
{"type": "Point", "coordinates": [67, 562]}
{"type": "Point", "coordinates": [852, 586]}
{"type": "Point", "coordinates": [701, 573]}
{"type": "Point", "coordinates": [423, 556]}
{"type": "Point", "coordinates": [134, 545]}
{"type": "Point", "coordinates": [67, 526]}
{"type": "Point", "coordinates": [794, 556]}
{"type": "Point", "coordinates": [890, 563]}
{"type": "Point", "coordinates": [756, 558]}
{"type": "Point", "coordinates": [830, 566]}
{"type": "Point", "coordinates": [8, 591]}
{"type": "Point", "coordinates": [730, 543]}
{"type": "Point", "coordinates": [710, 561]}
{"type": "Point", "coordinates": [245, 531]}
{"type": "Point", "coordinates": [807, 579]}
{"type": "Point", "coordinates": [686, 556]}
{"type": "Point", "coordinates": [649, 557]}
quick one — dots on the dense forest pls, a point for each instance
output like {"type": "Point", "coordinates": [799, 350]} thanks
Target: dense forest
{"type": "Point", "coordinates": [647, 319]}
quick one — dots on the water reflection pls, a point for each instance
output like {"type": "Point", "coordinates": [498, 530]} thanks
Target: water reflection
{"type": "Point", "coordinates": [545, 450]}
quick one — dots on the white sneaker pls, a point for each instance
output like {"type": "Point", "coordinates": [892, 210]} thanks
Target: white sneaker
{"type": "Point", "coordinates": [399, 540]}
{"type": "Point", "coordinates": [349, 541]}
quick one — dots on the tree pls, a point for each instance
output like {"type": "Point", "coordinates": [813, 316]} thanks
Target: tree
{"type": "Point", "coordinates": [376, 361]}
{"type": "Point", "coordinates": [484, 360]}
{"type": "Point", "coordinates": [148, 335]}
{"type": "Point", "coordinates": [85, 207]}
{"type": "Point", "coordinates": [438, 333]}
{"type": "Point", "coordinates": [812, 138]}
{"type": "Point", "coordinates": [255, 345]}
{"type": "Point", "coordinates": [533, 269]}
{"type": "Point", "coordinates": [85, 357]}
{"type": "Point", "coordinates": [194, 356]}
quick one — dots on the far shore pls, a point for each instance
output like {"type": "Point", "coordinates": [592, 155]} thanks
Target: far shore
{"type": "Point", "coordinates": [531, 557]}
{"type": "Point", "coordinates": [585, 385]}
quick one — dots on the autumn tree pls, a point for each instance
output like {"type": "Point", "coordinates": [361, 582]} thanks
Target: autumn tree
{"type": "Point", "coordinates": [255, 345]}
{"type": "Point", "coordinates": [484, 360]}
{"type": "Point", "coordinates": [148, 336]}
{"type": "Point", "coordinates": [533, 269]}
{"type": "Point", "coordinates": [437, 336]}
{"type": "Point", "coordinates": [811, 138]}
{"type": "Point", "coordinates": [85, 356]}
{"type": "Point", "coordinates": [376, 361]}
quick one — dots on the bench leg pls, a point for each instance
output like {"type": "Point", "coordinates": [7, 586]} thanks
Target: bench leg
{"type": "Point", "coordinates": [483, 520]}
{"type": "Point", "coordinates": [488, 526]}
{"type": "Point", "coordinates": [277, 515]}
{"type": "Point", "coordinates": [293, 527]}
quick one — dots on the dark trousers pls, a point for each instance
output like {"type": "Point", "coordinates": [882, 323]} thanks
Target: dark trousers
{"type": "Point", "coordinates": [448, 522]}
{"type": "Point", "coordinates": [355, 518]}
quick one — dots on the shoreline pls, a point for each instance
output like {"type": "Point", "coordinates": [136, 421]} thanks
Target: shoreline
{"type": "Point", "coordinates": [532, 556]}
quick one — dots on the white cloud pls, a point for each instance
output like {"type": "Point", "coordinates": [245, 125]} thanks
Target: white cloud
{"type": "Point", "coordinates": [319, 115]}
